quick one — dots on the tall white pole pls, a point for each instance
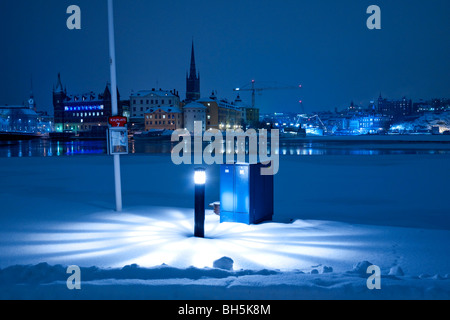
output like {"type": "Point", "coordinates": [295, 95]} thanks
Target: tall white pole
{"type": "Point", "coordinates": [115, 111]}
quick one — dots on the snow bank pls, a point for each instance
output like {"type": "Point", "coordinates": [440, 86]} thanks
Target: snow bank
{"type": "Point", "coordinates": [164, 282]}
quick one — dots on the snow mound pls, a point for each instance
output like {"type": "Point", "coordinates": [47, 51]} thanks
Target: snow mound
{"type": "Point", "coordinates": [224, 263]}
{"type": "Point", "coordinates": [361, 268]}
{"type": "Point", "coordinates": [396, 271]}
{"type": "Point", "coordinates": [327, 269]}
{"type": "Point", "coordinates": [437, 277]}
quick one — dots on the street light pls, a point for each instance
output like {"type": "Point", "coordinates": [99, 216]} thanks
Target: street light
{"type": "Point", "coordinates": [199, 219]}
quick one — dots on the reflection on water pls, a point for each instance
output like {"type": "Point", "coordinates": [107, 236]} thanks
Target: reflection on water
{"type": "Point", "coordinates": [49, 148]}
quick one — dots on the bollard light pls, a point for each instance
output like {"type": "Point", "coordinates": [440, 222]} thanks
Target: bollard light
{"type": "Point", "coordinates": [200, 176]}
{"type": "Point", "coordinates": [199, 223]}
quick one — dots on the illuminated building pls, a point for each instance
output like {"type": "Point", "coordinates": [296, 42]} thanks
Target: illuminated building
{"type": "Point", "coordinates": [163, 118]}
{"type": "Point", "coordinates": [141, 101]}
{"type": "Point", "coordinates": [221, 114]}
{"type": "Point", "coordinates": [18, 119]}
{"type": "Point", "coordinates": [84, 112]}
{"type": "Point", "coordinates": [369, 123]}
{"type": "Point", "coordinates": [433, 105]}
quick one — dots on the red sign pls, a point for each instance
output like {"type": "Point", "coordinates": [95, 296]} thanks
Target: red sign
{"type": "Point", "coordinates": [117, 121]}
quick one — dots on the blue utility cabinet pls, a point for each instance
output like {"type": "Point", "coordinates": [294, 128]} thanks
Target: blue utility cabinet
{"type": "Point", "coordinates": [246, 196]}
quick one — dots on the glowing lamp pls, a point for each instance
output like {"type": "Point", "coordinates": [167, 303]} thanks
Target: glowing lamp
{"type": "Point", "coordinates": [200, 176]}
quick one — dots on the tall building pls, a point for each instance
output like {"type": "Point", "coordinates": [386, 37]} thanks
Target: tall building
{"type": "Point", "coordinates": [59, 96]}
{"type": "Point", "coordinates": [87, 112]}
{"type": "Point", "coordinates": [192, 80]}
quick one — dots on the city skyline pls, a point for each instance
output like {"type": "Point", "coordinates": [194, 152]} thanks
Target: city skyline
{"type": "Point", "coordinates": [324, 46]}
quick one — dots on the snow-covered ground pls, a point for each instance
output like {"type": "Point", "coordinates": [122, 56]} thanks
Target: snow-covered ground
{"type": "Point", "coordinates": [426, 122]}
{"type": "Point", "coordinates": [334, 216]}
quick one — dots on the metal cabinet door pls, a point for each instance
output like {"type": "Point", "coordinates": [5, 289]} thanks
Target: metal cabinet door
{"type": "Point", "coordinates": [227, 188]}
{"type": "Point", "coordinates": [242, 189]}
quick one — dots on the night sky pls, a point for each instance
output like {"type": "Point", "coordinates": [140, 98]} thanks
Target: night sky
{"type": "Point", "coordinates": [323, 45]}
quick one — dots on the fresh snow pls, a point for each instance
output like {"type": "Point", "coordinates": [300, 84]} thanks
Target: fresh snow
{"type": "Point", "coordinates": [334, 216]}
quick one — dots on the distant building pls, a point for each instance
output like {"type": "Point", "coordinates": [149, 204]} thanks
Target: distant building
{"type": "Point", "coordinates": [249, 115]}
{"type": "Point", "coordinates": [369, 123]}
{"type": "Point", "coordinates": [433, 105]}
{"type": "Point", "coordinates": [18, 119]}
{"type": "Point", "coordinates": [126, 109]}
{"type": "Point", "coordinates": [335, 123]}
{"type": "Point", "coordinates": [166, 118]}
{"type": "Point", "coordinates": [45, 123]}
{"type": "Point", "coordinates": [395, 108]}
{"type": "Point", "coordinates": [221, 114]}
{"type": "Point", "coordinates": [192, 80]}
{"type": "Point", "coordinates": [25, 118]}
{"type": "Point", "coordinates": [141, 101]}
{"type": "Point", "coordinates": [192, 112]}
{"type": "Point", "coordinates": [82, 112]}
{"type": "Point", "coordinates": [353, 108]}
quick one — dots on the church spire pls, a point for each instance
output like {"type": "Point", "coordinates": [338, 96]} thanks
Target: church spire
{"type": "Point", "coordinates": [193, 79]}
{"type": "Point", "coordinates": [193, 70]}
{"type": "Point", "coordinates": [59, 86]}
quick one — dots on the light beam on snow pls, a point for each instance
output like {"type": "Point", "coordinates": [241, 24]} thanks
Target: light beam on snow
{"type": "Point", "coordinates": [154, 236]}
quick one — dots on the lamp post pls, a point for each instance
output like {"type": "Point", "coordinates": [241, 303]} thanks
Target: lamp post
{"type": "Point", "coordinates": [199, 219]}
{"type": "Point", "coordinates": [114, 103]}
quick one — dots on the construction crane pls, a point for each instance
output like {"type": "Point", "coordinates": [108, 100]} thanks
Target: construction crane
{"type": "Point", "coordinates": [253, 90]}
{"type": "Point", "coordinates": [302, 107]}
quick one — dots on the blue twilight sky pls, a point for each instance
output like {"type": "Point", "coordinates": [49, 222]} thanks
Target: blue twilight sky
{"type": "Point", "coordinates": [323, 44]}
